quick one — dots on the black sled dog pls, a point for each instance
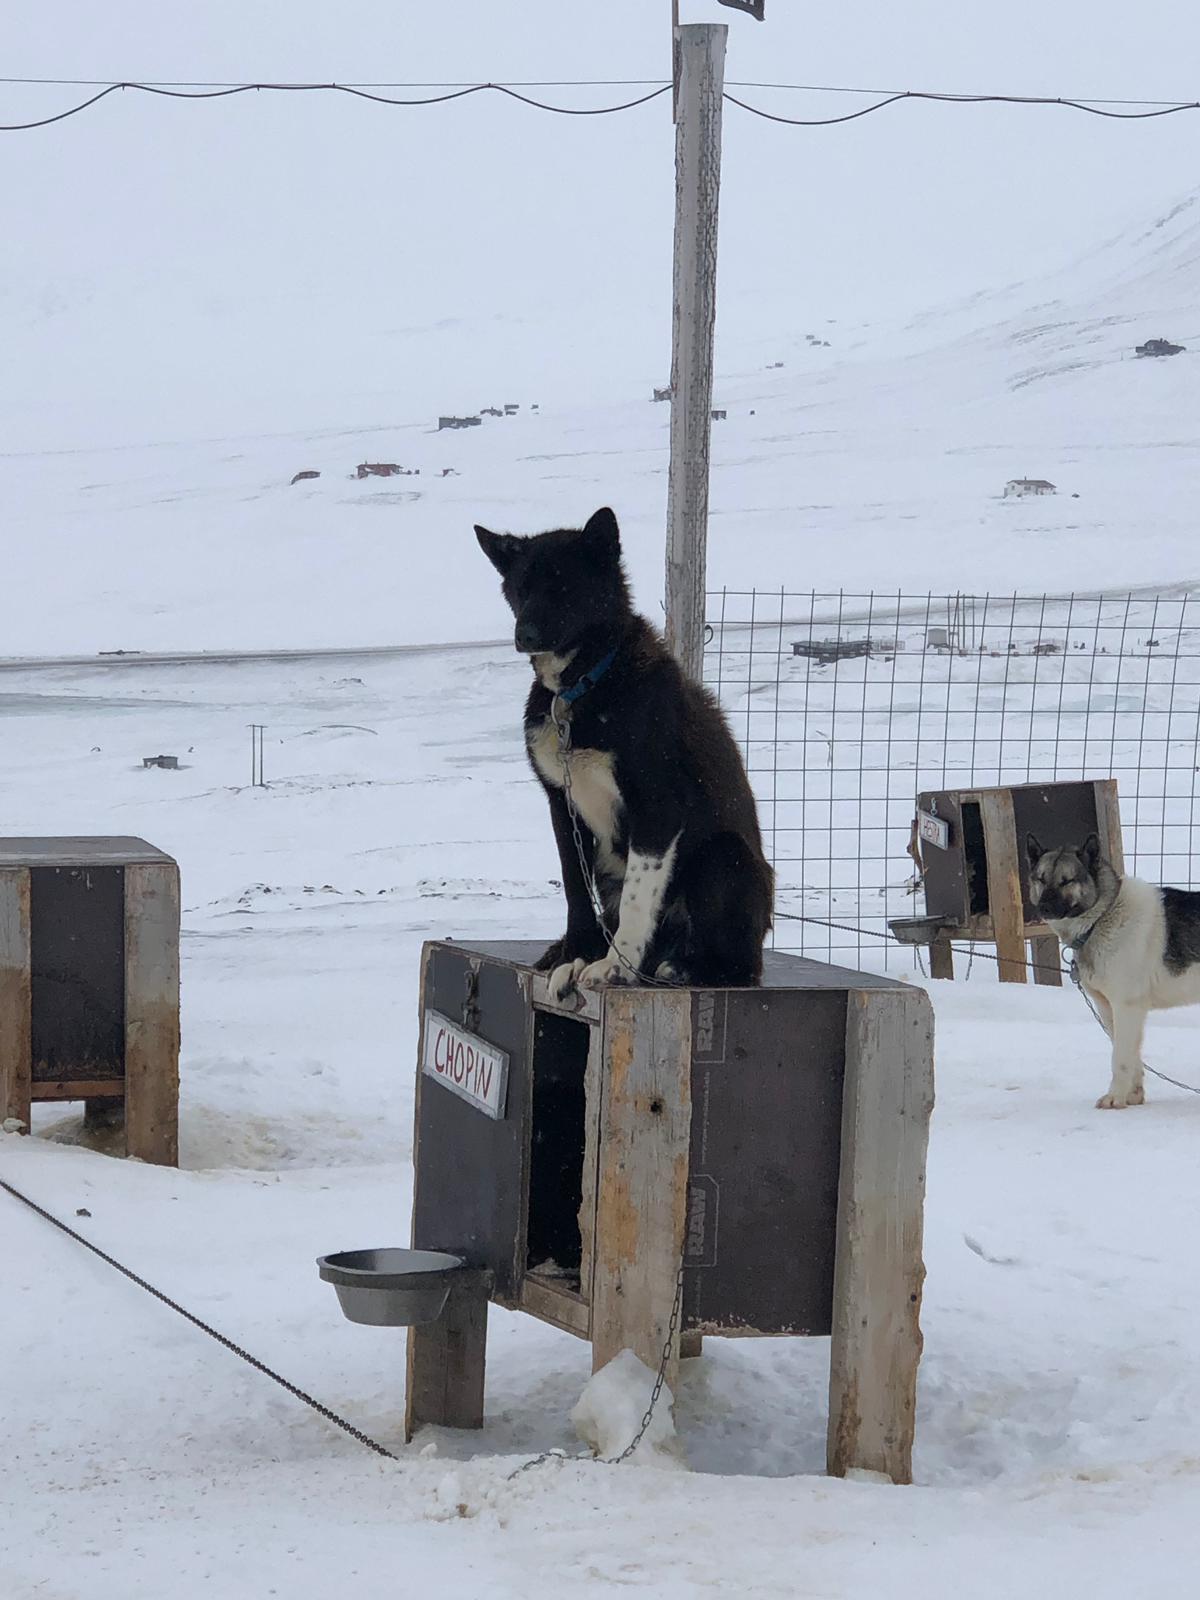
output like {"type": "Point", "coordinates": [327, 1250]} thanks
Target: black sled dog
{"type": "Point", "coordinates": [668, 830]}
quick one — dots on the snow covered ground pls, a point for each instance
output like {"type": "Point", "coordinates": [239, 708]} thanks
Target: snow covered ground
{"type": "Point", "coordinates": [1059, 1391]}
{"type": "Point", "coordinates": [201, 303]}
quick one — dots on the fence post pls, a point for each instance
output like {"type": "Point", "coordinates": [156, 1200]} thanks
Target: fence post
{"type": "Point", "coordinates": [700, 86]}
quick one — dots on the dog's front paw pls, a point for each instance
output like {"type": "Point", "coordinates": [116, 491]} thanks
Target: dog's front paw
{"type": "Point", "coordinates": [609, 970]}
{"type": "Point", "coordinates": [564, 978]}
{"type": "Point", "coordinates": [1118, 1100]}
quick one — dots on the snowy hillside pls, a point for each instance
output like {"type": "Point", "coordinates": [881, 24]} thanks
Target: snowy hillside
{"type": "Point", "coordinates": [878, 461]}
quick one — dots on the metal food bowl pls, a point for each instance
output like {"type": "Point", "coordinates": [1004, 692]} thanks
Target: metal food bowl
{"type": "Point", "coordinates": [917, 930]}
{"type": "Point", "coordinates": [390, 1288]}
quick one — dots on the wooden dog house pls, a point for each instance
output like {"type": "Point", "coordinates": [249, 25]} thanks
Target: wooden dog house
{"type": "Point", "coordinates": [770, 1140]}
{"type": "Point", "coordinates": [89, 984]}
{"type": "Point", "coordinates": [976, 872]}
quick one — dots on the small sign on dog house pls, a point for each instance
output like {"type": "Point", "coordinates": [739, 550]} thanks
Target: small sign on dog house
{"type": "Point", "coordinates": [933, 830]}
{"type": "Point", "coordinates": [466, 1065]}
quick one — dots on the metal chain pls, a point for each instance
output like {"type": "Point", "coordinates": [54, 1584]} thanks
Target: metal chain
{"type": "Point", "coordinates": [647, 1416]}
{"type": "Point", "coordinates": [563, 727]}
{"type": "Point", "coordinates": [660, 1380]}
{"type": "Point", "coordinates": [259, 1366]}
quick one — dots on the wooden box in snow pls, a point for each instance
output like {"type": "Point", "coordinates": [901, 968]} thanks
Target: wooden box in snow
{"type": "Point", "coordinates": [89, 984]}
{"type": "Point", "coordinates": [770, 1141]}
{"type": "Point", "coordinates": [975, 869]}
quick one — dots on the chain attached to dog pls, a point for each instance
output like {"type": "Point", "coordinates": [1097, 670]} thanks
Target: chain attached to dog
{"type": "Point", "coordinates": [1077, 980]}
{"type": "Point", "coordinates": [562, 727]}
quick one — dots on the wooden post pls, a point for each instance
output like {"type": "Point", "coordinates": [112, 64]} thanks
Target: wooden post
{"type": "Point", "coordinates": [879, 1270]}
{"type": "Point", "coordinates": [1108, 816]}
{"type": "Point", "coordinates": [152, 1012]}
{"type": "Point", "coordinates": [941, 956]}
{"type": "Point", "coordinates": [1047, 962]}
{"type": "Point", "coordinates": [641, 1206]}
{"type": "Point", "coordinates": [1005, 901]}
{"type": "Point", "coordinates": [447, 1359]}
{"type": "Point", "coordinates": [16, 1042]}
{"type": "Point", "coordinates": [700, 53]}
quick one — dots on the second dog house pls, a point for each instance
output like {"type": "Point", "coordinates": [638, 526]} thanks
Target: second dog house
{"type": "Point", "coordinates": [976, 873]}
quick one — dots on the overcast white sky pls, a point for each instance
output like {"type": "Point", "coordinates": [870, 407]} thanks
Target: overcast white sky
{"type": "Point", "coordinates": [250, 247]}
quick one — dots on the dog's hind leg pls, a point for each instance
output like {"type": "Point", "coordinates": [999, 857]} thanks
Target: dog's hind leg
{"type": "Point", "coordinates": [1126, 1088]}
{"type": "Point", "coordinates": [727, 891]}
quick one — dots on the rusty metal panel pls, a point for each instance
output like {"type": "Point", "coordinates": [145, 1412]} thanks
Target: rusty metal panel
{"type": "Point", "coordinates": [765, 1153]}
{"type": "Point", "coordinates": [470, 1168]}
{"type": "Point", "coordinates": [77, 973]}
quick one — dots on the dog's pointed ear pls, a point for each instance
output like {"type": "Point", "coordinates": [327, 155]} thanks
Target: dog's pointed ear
{"type": "Point", "coordinates": [602, 532]}
{"type": "Point", "coordinates": [499, 548]}
{"type": "Point", "coordinates": [1089, 851]}
{"type": "Point", "coordinates": [1033, 850]}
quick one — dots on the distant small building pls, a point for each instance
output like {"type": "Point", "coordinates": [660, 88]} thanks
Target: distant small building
{"type": "Point", "coordinates": [663, 394]}
{"type": "Point", "coordinates": [1159, 347]}
{"type": "Point", "coordinates": [1019, 487]}
{"type": "Point", "coordinates": [510, 410]}
{"type": "Point", "coordinates": [167, 763]}
{"type": "Point", "coordinates": [378, 469]}
{"type": "Point", "coordinates": [719, 416]}
{"type": "Point", "coordinates": [491, 411]}
{"type": "Point", "coordinates": [826, 651]}
{"type": "Point", "coordinates": [459, 422]}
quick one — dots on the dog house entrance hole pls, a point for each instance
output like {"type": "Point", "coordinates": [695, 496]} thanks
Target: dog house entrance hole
{"type": "Point", "coordinates": [77, 973]}
{"type": "Point", "coordinates": [975, 859]}
{"type": "Point", "coordinates": [554, 1247]}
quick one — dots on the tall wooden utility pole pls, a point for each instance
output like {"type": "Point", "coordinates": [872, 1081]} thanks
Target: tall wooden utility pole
{"type": "Point", "coordinates": [699, 85]}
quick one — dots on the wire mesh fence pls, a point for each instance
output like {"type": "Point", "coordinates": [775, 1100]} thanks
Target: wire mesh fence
{"type": "Point", "coordinates": [847, 705]}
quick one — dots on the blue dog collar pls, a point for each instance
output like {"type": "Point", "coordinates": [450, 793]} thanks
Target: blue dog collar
{"type": "Point", "coordinates": [589, 680]}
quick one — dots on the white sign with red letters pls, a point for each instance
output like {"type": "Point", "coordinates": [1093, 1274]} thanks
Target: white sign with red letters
{"type": "Point", "coordinates": [466, 1065]}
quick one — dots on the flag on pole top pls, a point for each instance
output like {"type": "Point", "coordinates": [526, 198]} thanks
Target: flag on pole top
{"type": "Point", "coordinates": [754, 7]}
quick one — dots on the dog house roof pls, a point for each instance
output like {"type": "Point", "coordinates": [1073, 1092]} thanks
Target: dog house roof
{"type": "Point", "coordinates": [102, 851]}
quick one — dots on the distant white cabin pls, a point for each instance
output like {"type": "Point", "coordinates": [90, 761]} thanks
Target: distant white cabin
{"type": "Point", "coordinates": [1023, 486]}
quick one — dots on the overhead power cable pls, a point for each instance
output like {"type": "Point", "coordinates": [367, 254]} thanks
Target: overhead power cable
{"type": "Point", "coordinates": [330, 88]}
{"type": "Point", "coordinates": [1096, 108]}
{"type": "Point", "coordinates": [1119, 110]}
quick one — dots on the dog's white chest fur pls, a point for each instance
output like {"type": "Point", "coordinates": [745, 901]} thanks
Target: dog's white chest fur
{"type": "Point", "coordinates": [593, 781]}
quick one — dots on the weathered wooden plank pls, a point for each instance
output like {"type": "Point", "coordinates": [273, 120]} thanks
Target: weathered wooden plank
{"type": "Point", "coordinates": [1005, 899]}
{"type": "Point", "coordinates": [941, 957]}
{"type": "Point", "coordinates": [91, 1089]}
{"type": "Point", "coordinates": [1045, 959]}
{"type": "Point", "coordinates": [16, 1038]}
{"type": "Point", "coordinates": [1108, 818]}
{"type": "Point", "coordinates": [550, 1302]}
{"type": "Point", "coordinates": [641, 1210]}
{"type": "Point", "coordinates": [447, 1359]}
{"type": "Point", "coordinates": [152, 1013]}
{"type": "Point", "coordinates": [583, 1005]}
{"type": "Point", "coordinates": [593, 1080]}
{"type": "Point", "coordinates": [876, 1345]}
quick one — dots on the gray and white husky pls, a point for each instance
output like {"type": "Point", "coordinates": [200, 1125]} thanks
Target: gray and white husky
{"type": "Point", "coordinates": [1136, 946]}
